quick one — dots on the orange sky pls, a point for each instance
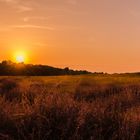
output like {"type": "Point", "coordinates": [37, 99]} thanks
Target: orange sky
{"type": "Point", "coordinates": [96, 35]}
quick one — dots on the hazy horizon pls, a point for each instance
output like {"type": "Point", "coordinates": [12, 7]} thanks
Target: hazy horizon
{"type": "Point", "coordinates": [94, 35]}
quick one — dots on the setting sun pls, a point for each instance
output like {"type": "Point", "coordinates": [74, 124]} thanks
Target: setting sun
{"type": "Point", "coordinates": [20, 57]}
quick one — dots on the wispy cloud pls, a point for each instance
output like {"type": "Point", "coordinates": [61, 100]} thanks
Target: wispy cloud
{"type": "Point", "coordinates": [18, 5]}
{"type": "Point", "coordinates": [22, 8]}
{"type": "Point", "coordinates": [9, 1]}
{"type": "Point", "coordinates": [32, 27]}
{"type": "Point", "coordinates": [26, 19]}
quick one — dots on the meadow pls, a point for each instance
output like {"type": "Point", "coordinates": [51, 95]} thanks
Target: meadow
{"type": "Point", "coordinates": [85, 107]}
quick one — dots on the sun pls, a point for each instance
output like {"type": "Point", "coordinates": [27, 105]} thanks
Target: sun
{"type": "Point", "coordinates": [20, 57]}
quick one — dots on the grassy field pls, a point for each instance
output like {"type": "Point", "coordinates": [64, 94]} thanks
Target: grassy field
{"type": "Point", "coordinates": [88, 107]}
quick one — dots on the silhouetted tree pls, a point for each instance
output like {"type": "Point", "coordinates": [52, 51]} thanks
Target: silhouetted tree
{"type": "Point", "coordinates": [13, 69]}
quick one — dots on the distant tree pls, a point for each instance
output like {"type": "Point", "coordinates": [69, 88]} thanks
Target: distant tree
{"type": "Point", "coordinates": [10, 68]}
{"type": "Point", "coordinates": [66, 69]}
{"type": "Point", "coordinates": [5, 62]}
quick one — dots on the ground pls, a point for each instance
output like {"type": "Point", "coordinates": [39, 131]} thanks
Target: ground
{"type": "Point", "coordinates": [86, 107]}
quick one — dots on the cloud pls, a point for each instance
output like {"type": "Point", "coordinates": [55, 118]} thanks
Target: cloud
{"type": "Point", "coordinates": [19, 5]}
{"type": "Point", "coordinates": [26, 19]}
{"type": "Point", "coordinates": [11, 27]}
{"type": "Point", "coordinates": [22, 8]}
{"type": "Point", "coordinates": [9, 1]}
{"type": "Point", "coordinates": [32, 27]}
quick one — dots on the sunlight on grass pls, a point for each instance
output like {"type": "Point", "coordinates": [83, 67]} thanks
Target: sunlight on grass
{"type": "Point", "coordinates": [70, 107]}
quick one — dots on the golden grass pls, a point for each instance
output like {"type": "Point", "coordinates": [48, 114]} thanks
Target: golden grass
{"type": "Point", "coordinates": [84, 107]}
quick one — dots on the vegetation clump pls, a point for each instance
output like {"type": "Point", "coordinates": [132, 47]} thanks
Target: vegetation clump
{"type": "Point", "coordinates": [85, 107]}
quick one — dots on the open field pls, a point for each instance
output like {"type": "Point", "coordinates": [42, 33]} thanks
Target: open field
{"type": "Point", "coordinates": [88, 107]}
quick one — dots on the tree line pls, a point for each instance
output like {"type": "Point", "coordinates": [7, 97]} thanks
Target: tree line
{"type": "Point", "coordinates": [8, 68]}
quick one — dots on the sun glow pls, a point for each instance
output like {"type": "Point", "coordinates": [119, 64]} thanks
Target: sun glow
{"type": "Point", "coordinates": [20, 57]}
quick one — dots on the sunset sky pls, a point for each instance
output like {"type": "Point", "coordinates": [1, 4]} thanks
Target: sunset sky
{"type": "Point", "coordinates": [96, 35]}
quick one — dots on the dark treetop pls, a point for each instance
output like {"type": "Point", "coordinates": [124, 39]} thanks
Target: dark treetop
{"type": "Point", "coordinates": [8, 68]}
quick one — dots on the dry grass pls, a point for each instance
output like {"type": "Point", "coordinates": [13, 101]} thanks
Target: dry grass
{"type": "Point", "coordinates": [70, 108]}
